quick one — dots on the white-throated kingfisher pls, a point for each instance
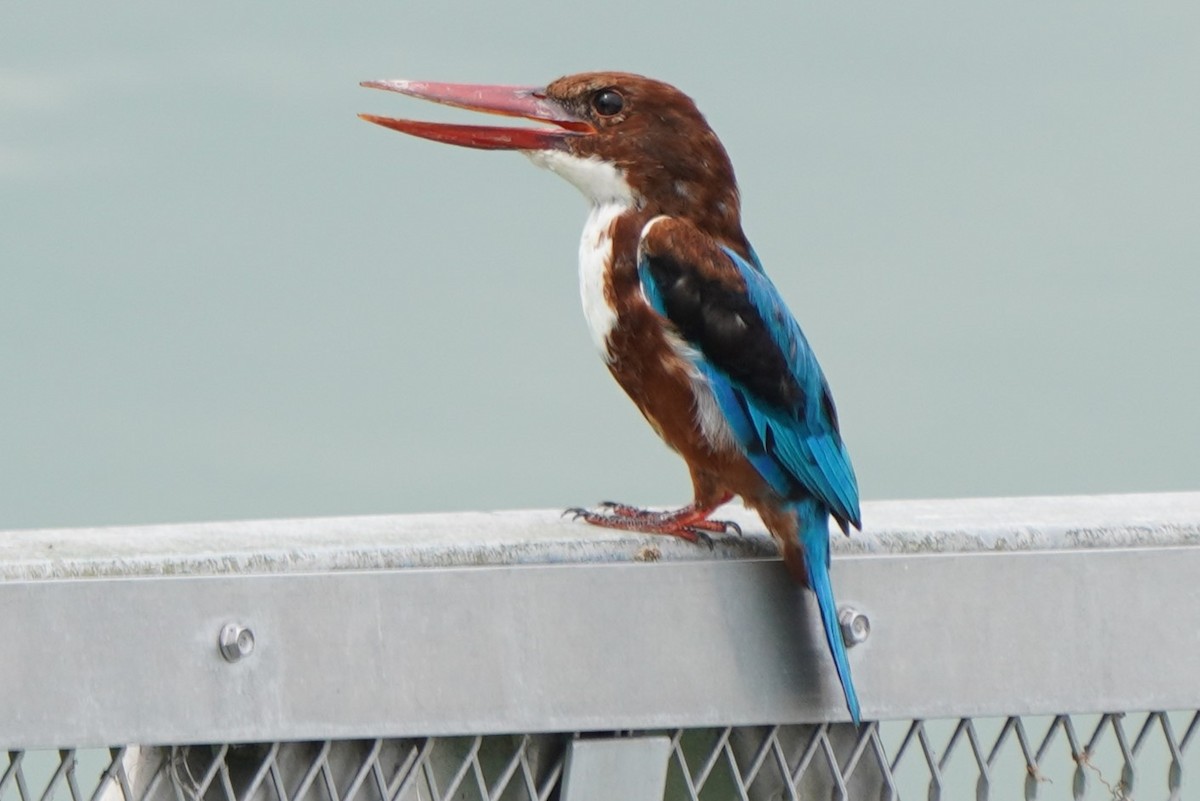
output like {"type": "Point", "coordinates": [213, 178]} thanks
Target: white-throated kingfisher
{"type": "Point", "coordinates": [681, 310]}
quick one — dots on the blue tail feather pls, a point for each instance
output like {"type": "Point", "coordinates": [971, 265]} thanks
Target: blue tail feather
{"type": "Point", "coordinates": [813, 532]}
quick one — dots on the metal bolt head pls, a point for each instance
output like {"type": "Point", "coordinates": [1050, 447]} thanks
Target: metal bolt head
{"type": "Point", "coordinates": [856, 626]}
{"type": "Point", "coordinates": [236, 642]}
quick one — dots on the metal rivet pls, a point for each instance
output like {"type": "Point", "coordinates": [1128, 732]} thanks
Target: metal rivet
{"type": "Point", "coordinates": [856, 626]}
{"type": "Point", "coordinates": [237, 642]}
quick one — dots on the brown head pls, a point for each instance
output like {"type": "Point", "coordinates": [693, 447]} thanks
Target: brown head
{"type": "Point", "coordinates": [618, 137]}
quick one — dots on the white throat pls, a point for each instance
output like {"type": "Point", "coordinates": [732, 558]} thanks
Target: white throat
{"type": "Point", "coordinates": [610, 195]}
{"type": "Point", "coordinates": [600, 181]}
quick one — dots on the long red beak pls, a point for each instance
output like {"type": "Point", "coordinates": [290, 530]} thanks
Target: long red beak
{"type": "Point", "coordinates": [509, 101]}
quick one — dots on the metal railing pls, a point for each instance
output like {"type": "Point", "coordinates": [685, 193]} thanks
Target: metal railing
{"type": "Point", "coordinates": [1019, 648]}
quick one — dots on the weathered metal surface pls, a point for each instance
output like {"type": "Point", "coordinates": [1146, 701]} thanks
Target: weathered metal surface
{"type": "Point", "coordinates": [542, 537]}
{"type": "Point", "coordinates": [536, 648]}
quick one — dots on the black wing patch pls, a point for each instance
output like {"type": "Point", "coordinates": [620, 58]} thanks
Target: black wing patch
{"type": "Point", "coordinates": [724, 325]}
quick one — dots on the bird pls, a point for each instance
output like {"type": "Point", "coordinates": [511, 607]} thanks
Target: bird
{"type": "Point", "coordinates": [682, 311]}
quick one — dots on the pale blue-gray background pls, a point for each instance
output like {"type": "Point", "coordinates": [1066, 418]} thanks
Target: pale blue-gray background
{"type": "Point", "coordinates": [222, 295]}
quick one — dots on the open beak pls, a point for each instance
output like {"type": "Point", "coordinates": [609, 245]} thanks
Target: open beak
{"type": "Point", "coordinates": [509, 101]}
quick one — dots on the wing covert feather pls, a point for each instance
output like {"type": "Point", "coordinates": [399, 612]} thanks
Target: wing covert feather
{"type": "Point", "coordinates": [762, 371]}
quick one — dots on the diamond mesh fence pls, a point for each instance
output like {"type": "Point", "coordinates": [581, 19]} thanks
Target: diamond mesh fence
{"type": "Point", "coordinates": [1114, 756]}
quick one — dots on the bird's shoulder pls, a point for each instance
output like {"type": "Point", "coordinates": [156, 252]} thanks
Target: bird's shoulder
{"type": "Point", "coordinates": [679, 243]}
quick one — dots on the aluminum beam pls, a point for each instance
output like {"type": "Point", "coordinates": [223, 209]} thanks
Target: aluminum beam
{"type": "Point", "coordinates": [594, 645]}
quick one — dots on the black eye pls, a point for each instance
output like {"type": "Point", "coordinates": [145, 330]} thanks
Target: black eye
{"type": "Point", "coordinates": [608, 102]}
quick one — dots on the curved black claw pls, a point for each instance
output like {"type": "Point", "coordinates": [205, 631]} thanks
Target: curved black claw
{"type": "Point", "coordinates": [731, 527]}
{"type": "Point", "coordinates": [575, 512]}
{"type": "Point", "coordinates": [701, 536]}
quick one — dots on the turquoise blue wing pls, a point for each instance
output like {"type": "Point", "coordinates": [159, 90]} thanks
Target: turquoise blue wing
{"type": "Point", "coordinates": [762, 371]}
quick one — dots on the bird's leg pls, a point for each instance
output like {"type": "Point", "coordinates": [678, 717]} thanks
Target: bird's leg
{"type": "Point", "coordinates": [690, 523]}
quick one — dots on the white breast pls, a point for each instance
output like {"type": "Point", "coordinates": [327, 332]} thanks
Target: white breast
{"type": "Point", "coordinates": [609, 194]}
{"type": "Point", "coordinates": [595, 257]}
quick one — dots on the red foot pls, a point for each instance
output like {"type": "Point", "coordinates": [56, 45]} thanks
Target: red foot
{"type": "Point", "coordinates": [690, 523]}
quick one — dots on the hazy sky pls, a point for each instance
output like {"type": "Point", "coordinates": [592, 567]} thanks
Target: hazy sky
{"type": "Point", "coordinates": [223, 296]}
